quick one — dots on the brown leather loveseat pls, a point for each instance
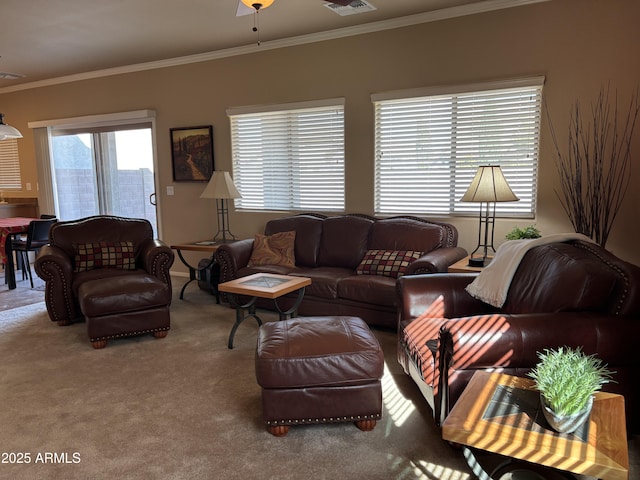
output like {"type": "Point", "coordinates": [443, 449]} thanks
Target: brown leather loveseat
{"type": "Point", "coordinates": [572, 293]}
{"type": "Point", "coordinates": [109, 271]}
{"type": "Point", "coordinates": [330, 250]}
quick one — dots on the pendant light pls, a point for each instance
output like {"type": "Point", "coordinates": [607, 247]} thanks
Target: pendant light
{"type": "Point", "coordinates": [7, 131]}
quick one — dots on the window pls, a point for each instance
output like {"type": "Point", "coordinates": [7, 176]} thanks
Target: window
{"type": "Point", "coordinates": [104, 171]}
{"type": "Point", "coordinates": [429, 144]}
{"type": "Point", "coordinates": [289, 157]}
{"type": "Point", "coordinates": [98, 165]}
{"type": "Point", "coordinates": [9, 165]}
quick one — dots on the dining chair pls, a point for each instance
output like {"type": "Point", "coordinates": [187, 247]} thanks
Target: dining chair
{"type": "Point", "coordinates": [37, 237]}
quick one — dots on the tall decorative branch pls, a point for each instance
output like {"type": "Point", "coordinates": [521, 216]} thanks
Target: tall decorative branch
{"type": "Point", "coordinates": [595, 170]}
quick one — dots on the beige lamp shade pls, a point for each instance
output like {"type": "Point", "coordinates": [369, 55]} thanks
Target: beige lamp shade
{"type": "Point", "coordinates": [489, 185]}
{"type": "Point", "coordinates": [220, 186]}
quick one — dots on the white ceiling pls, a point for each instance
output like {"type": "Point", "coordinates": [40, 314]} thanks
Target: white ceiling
{"type": "Point", "coordinates": [48, 39]}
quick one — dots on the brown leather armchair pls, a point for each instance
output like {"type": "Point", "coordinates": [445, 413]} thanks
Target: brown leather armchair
{"type": "Point", "coordinates": [111, 272]}
{"type": "Point", "coordinates": [574, 293]}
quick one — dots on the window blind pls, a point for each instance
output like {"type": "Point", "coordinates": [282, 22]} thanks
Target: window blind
{"type": "Point", "coordinates": [9, 165]}
{"type": "Point", "coordinates": [289, 158]}
{"type": "Point", "coordinates": [428, 148]}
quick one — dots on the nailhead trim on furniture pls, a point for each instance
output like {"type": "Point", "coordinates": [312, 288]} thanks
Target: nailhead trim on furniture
{"type": "Point", "coordinates": [351, 418]}
{"type": "Point", "coordinates": [129, 334]}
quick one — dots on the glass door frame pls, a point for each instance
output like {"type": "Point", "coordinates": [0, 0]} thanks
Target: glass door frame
{"type": "Point", "coordinates": [42, 134]}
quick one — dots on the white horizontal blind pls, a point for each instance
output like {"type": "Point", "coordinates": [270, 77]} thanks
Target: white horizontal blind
{"type": "Point", "coordinates": [289, 159]}
{"type": "Point", "coordinates": [9, 165]}
{"type": "Point", "coordinates": [428, 149]}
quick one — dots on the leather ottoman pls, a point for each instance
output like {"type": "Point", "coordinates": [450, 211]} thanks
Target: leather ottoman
{"type": "Point", "coordinates": [319, 370]}
{"type": "Point", "coordinates": [124, 306]}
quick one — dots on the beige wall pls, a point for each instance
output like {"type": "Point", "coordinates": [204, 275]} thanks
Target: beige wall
{"type": "Point", "coordinates": [578, 45]}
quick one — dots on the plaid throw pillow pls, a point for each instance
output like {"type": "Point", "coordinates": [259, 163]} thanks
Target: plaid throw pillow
{"type": "Point", "coordinates": [390, 263]}
{"type": "Point", "coordinates": [104, 255]}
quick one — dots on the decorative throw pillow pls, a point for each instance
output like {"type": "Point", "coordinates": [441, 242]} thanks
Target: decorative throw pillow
{"type": "Point", "coordinates": [104, 255]}
{"type": "Point", "coordinates": [390, 263]}
{"type": "Point", "coordinates": [276, 249]}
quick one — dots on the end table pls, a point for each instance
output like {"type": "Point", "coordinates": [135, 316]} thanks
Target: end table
{"type": "Point", "coordinates": [462, 266]}
{"type": "Point", "coordinates": [500, 414]}
{"type": "Point", "coordinates": [195, 273]}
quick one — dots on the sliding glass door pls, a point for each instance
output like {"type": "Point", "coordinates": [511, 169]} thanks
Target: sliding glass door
{"type": "Point", "coordinates": [104, 171]}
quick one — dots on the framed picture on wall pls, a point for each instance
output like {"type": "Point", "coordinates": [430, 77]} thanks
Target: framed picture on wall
{"type": "Point", "coordinates": [192, 153]}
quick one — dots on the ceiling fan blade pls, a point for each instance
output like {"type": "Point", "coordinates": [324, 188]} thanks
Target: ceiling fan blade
{"type": "Point", "coordinates": [344, 3]}
{"type": "Point", "coordinates": [243, 10]}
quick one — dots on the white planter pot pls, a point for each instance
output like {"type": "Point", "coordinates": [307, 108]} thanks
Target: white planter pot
{"type": "Point", "coordinates": [566, 423]}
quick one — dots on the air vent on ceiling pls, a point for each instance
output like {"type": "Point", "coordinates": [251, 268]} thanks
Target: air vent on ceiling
{"type": "Point", "coordinates": [10, 76]}
{"type": "Point", "coordinates": [357, 6]}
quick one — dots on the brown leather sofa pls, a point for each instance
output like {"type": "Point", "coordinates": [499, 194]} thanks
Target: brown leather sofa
{"type": "Point", "coordinates": [329, 250]}
{"type": "Point", "coordinates": [574, 293]}
{"type": "Point", "coordinates": [109, 271]}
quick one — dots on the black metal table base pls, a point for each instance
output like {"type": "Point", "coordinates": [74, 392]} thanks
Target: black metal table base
{"type": "Point", "coordinates": [519, 469]}
{"type": "Point", "coordinates": [195, 274]}
{"type": "Point", "coordinates": [248, 310]}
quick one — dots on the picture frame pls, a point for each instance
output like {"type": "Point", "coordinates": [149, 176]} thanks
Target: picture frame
{"type": "Point", "coordinates": [192, 153]}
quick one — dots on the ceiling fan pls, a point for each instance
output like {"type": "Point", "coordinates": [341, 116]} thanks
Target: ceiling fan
{"type": "Point", "coordinates": [247, 7]}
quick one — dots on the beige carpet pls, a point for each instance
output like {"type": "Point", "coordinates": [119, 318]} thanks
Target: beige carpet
{"type": "Point", "coordinates": [187, 407]}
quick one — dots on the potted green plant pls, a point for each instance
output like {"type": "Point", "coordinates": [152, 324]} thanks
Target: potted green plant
{"type": "Point", "coordinates": [527, 232]}
{"type": "Point", "coordinates": [567, 378]}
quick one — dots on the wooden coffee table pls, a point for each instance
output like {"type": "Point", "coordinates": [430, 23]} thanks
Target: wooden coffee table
{"type": "Point", "coordinates": [500, 413]}
{"type": "Point", "coordinates": [262, 285]}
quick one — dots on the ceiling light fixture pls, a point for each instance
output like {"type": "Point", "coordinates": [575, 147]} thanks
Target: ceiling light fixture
{"type": "Point", "coordinates": [257, 6]}
{"type": "Point", "coordinates": [10, 76]}
{"type": "Point", "coordinates": [7, 131]}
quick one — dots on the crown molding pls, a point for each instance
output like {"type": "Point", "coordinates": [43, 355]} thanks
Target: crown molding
{"type": "Point", "coordinates": [427, 17]}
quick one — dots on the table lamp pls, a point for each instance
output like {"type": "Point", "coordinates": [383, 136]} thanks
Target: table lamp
{"type": "Point", "coordinates": [487, 187]}
{"type": "Point", "coordinates": [222, 188]}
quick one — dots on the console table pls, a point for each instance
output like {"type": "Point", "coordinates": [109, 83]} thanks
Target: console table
{"type": "Point", "coordinates": [500, 413]}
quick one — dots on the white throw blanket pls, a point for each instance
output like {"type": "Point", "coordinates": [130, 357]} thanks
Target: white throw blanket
{"type": "Point", "coordinates": [492, 284]}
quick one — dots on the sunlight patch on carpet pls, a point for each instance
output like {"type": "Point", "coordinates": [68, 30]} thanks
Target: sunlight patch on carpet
{"type": "Point", "coordinates": [425, 470]}
{"type": "Point", "coordinates": [397, 405]}
{"type": "Point", "coordinates": [440, 472]}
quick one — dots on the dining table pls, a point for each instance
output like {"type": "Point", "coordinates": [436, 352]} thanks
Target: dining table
{"type": "Point", "coordinates": [8, 227]}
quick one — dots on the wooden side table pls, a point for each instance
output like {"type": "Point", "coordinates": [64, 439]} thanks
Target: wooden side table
{"type": "Point", "coordinates": [195, 273]}
{"type": "Point", "coordinates": [262, 285]}
{"type": "Point", "coordinates": [501, 414]}
{"type": "Point", "coordinates": [462, 266]}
